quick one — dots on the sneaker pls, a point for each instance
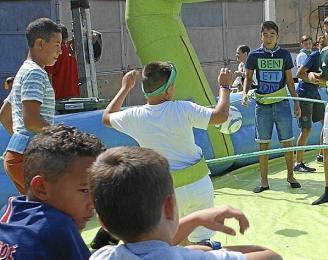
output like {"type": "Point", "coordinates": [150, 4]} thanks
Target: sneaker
{"type": "Point", "coordinates": [301, 167]}
{"type": "Point", "coordinates": [319, 158]}
{"type": "Point", "coordinates": [215, 245]}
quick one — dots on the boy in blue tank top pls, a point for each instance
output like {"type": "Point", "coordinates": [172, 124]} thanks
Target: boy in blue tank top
{"type": "Point", "coordinates": [273, 70]}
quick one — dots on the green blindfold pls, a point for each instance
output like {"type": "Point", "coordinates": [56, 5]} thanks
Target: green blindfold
{"type": "Point", "coordinates": [163, 88]}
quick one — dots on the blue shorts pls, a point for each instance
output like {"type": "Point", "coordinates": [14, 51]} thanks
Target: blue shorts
{"type": "Point", "coordinates": [268, 115]}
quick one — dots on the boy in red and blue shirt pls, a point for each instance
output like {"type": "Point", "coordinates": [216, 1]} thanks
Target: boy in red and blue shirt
{"type": "Point", "coordinates": [46, 223]}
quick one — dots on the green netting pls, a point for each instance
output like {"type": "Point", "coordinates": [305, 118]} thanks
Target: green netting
{"type": "Point", "coordinates": [282, 218]}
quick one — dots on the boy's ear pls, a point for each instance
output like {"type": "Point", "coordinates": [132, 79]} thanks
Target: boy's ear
{"type": "Point", "coordinates": [170, 89]}
{"type": "Point", "coordinates": [38, 188]}
{"type": "Point", "coordinates": [38, 43]}
{"type": "Point", "coordinates": [170, 207]}
{"type": "Point", "coordinates": [102, 224]}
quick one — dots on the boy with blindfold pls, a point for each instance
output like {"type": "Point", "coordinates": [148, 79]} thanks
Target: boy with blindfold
{"type": "Point", "coordinates": [166, 126]}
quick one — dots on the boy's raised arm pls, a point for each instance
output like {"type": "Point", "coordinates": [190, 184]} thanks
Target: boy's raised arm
{"type": "Point", "coordinates": [128, 83]}
{"type": "Point", "coordinates": [221, 111]}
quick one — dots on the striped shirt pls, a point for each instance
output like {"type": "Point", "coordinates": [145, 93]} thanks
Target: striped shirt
{"type": "Point", "coordinates": [31, 84]}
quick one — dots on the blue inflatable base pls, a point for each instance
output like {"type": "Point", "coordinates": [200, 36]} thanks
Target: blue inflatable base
{"type": "Point", "coordinates": [243, 140]}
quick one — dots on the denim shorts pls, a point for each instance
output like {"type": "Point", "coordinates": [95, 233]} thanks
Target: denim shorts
{"type": "Point", "coordinates": [278, 114]}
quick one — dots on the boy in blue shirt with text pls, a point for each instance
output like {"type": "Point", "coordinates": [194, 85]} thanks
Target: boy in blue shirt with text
{"type": "Point", "coordinates": [273, 70]}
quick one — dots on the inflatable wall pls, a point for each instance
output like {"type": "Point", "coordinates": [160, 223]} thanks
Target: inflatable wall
{"type": "Point", "coordinates": [242, 141]}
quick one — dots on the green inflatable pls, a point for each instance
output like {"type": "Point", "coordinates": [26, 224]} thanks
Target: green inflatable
{"type": "Point", "coordinates": [158, 33]}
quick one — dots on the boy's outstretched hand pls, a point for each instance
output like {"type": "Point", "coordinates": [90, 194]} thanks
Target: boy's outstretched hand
{"type": "Point", "coordinates": [213, 218]}
{"type": "Point", "coordinates": [129, 79]}
{"type": "Point", "coordinates": [225, 77]}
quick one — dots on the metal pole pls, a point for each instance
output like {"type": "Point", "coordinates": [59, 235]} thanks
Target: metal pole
{"type": "Point", "coordinates": [84, 48]}
{"type": "Point", "coordinates": [270, 10]}
{"type": "Point", "coordinates": [93, 74]}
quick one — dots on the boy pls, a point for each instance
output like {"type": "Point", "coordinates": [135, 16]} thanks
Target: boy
{"type": "Point", "coordinates": [133, 194]}
{"type": "Point", "coordinates": [322, 79]}
{"type": "Point", "coordinates": [242, 52]}
{"type": "Point", "coordinates": [166, 126]}
{"type": "Point", "coordinates": [46, 223]}
{"type": "Point", "coordinates": [63, 74]}
{"type": "Point", "coordinates": [7, 85]}
{"type": "Point", "coordinates": [306, 44]}
{"type": "Point", "coordinates": [31, 103]}
{"type": "Point", "coordinates": [310, 112]}
{"type": "Point", "coordinates": [273, 70]}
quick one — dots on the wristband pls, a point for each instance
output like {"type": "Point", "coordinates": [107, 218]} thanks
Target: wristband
{"type": "Point", "coordinates": [225, 87]}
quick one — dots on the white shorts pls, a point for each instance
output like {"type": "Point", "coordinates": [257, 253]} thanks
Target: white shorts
{"type": "Point", "coordinates": [325, 127]}
{"type": "Point", "coordinates": [193, 197]}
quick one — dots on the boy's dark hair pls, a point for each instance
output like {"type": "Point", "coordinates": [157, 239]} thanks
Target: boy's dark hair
{"type": "Point", "coordinates": [51, 152]}
{"type": "Point", "coordinates": [155, 74]}
{"type": "Point", "coordinates": [305, 38]}
{"type": "Point", "coordinates": [64, 32]}
{"type": "Point", "coordinates": [7, 82]}
{"type": "Point", "coordinates": [269, 25]}
{"type": "Point", "coordinates": [325, 21]}
{"type": "Point", "coordinates": [243, 48]}
{"type": "Point", "coordinates": [43, 28]}
{"type": "Point", "coordinates": [323, 41]}
{"type": "Point", "coordinates": [129, 187]}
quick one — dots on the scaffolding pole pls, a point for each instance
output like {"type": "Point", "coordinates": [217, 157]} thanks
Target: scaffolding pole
{"type": "Point", "coordinates": [83, 48]}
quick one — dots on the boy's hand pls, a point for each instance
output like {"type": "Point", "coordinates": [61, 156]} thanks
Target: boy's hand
{"type": "Point", "coordinates": [213, 218]}
{"type": "Point", "coordinates": [238, 73]}
{"type": "Point", "coordinates": [129, 79]}
{"type": "Point", "coordinates": [244, 100]}
{"type": "Point", "coordinates": [314, 77]}
{"type": "Point", "coordinates": [225, 77]}
{"type": "Point", "coordinates": [297, 109]}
